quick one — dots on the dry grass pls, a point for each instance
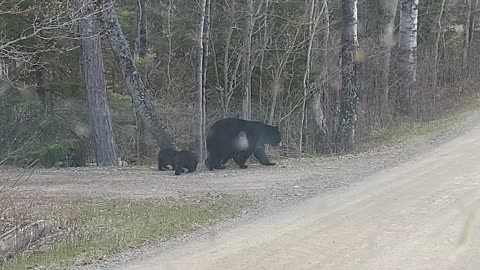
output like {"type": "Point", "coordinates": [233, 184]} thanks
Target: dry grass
{"type": "Point", "coordinates": [92, 230]}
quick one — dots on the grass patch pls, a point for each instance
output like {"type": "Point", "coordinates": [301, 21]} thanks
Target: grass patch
{"type": "Point", "coordinates": [407, 129]}
{"type": "Point", "coordinates": [98, 229]}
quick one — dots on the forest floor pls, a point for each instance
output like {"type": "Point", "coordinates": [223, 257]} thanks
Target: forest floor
{"type": "Point", "coordinates": [245, 194]}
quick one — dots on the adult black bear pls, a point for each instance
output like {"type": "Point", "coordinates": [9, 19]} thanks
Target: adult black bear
{"type": "Point", "coordinates": [166, 157]}
{"type": "Point", "coordinates": [185, 160]}
{"type": "Point", "coordinates": [239, 139]}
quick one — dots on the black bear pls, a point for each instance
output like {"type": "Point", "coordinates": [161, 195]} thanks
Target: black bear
{"type": "Point", "coordinates": [185, 160]}
{"type": "Point", "coordinates": [166, 157]}
{"type": "Point", "coordinates": [239, 139]}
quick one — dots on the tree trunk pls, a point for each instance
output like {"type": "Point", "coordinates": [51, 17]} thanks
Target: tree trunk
{"type": "Point", "coordinates": [435, 55]}
{"type": "Point", "coordinates": [350, 77]}
{"type": "Point", "coordinates": [266, 38]}
{"type": "Point", "coordinates": [206, 39]}
{"type": "Point", "coordinates": [94, 77]}
{"type": "Point", "coordinates": [467, 32]}
{"type": "Point", "coordinates": [276, 88]}
{"type": "Point", "coordinates": [473, 13]}
{"type": "Point", "coordinates": [170, 49]}
{"type": "Point", "coordinates": [42, 92]}
{"type": "Point", "coordinates": [142, 29]}
{"type": "Point", "coordinates": [470, 6]}
{"type": "Point", "coordinates": [142, 52]}
{"type": "Point", "coordinates": [407, 58]}
{"type": "Point", "coordinates": [247, 57]}
{"type": "Point", "coordinates": [322, 144]}
{"type": "Point", "coordinates": [390, 11]}
{"type": "Point", "coordinates": [199, 100]}
{"type": "Point", "coordinates": [135, 86]}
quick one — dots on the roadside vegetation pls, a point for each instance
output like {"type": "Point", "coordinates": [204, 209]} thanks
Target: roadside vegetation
{"type": "Point", "coordinates": [83, 231]}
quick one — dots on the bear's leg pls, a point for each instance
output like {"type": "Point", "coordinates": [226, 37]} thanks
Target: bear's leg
{"type": "Point", "coordinates": [191, 168]}
{"type": "Point", "coordinates": [225, 160]}
{"type": "Point", "coordinates": [218, 163]}
{"type": "Point", "coordinates": [220, 166]}
{"type": "Point", "coordinates": [208, 163]}
{"type": "Point", "coordinates": [178, 166]}
{"type": "Point", "coordinates": [160, 165]}
{"type": "Point", "coordinates": [261, 156]}
{"type": "Point", "coordinates": [241, 158]}
{"type": "Point", "coordinates": [212, 162]}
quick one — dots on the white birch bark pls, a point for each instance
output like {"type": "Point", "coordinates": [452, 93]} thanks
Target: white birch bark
{"type": "Point", "coordinates": [199, 100]}
{"type": "Point", "coordinates": [408, 57]}
{"type": "Point", "coordinates": [350, 77]}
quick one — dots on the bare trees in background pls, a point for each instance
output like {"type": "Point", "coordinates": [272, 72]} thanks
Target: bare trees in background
{"type": "Point", "coordinates": [246, 61]}
{"type": "Point", "coordinates": [290, 63]}
{"type": "Point", "coordinates": [387, 40]}
{"type": "Point", "coordinates": [315, 11]}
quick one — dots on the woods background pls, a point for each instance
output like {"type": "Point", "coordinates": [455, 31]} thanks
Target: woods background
{"type": "Point", "coordinates": [330, 73]}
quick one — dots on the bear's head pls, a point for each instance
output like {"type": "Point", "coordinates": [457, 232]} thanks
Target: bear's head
{"type": "Point", "coordinates": [274, 136]}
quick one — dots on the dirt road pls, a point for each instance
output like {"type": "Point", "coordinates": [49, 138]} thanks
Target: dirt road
{"type": "Point", "coordinates": [419, 215]}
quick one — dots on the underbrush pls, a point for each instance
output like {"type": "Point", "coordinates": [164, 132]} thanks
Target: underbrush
{"type": "Point", "coordinates": [32, 136]}
{"type": "Point", "coordinates": [92, 230]}
{"type": "Point", "coordinates": [407, 129]}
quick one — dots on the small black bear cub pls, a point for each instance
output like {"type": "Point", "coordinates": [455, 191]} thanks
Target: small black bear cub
{"type": "Point", "coordinates": [179, 160]}
{"type": "Point", "coordinates": [185, 160]}
{"type": "Point", "coordinates": [166, 157]}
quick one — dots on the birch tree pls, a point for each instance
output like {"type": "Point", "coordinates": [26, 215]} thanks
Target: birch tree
{"type": "Point", "coordinates": [135, 86]}
{"type": "Point", "coordinates": [350, 77]}
{"type": "Point", "coordinates": [199, 74]}
{"type": "Point", "coordinates": [407, 61]}
{"type": "Point", "coordinates": [94, 78]}
{"type": "Point", "coordinates": [206, 40]}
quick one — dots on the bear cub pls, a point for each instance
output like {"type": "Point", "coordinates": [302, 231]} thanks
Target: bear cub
{"type": "Point", "coordinates": [166, 157]}
{"type": "Point", "coordinates": [178, 160]}
{"type": "Point", "coordinates": [185, 160]}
